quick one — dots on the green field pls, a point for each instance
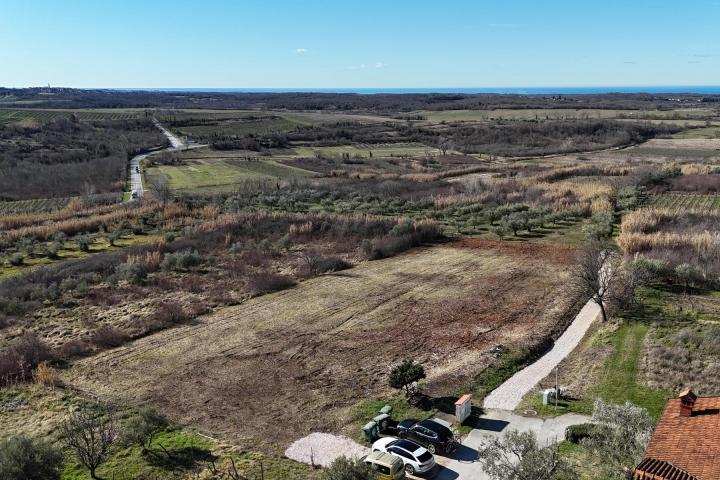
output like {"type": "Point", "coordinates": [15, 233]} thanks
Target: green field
{"type": "Point", "coordinates": [241, 128]}
{"type": "Point", "coordinates": [684, 201]}
{"type": "Point", "coordinates": [223, 174]}
{"type": "Point", "coordinates": [364, 151]}
{"type": "Point", "coordinates": [559, 114]}
{"type": "Point", "coordinates": [20, 115]}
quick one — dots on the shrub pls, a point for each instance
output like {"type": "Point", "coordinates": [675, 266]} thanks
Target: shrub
{"type": "Point", "coordinates": [142, 428]}
{"type": "Point", "coordinates": [22, 458]}
{"type": "Point", "coordinates": [108, 336]}
{"type": "Point", "coordinates": [23, 355]}
{"type": "Point", "coordinates": [169, 237]}
{"type": "Point", "coordinates": [181, 261]}
{"type": "Point", "coordinates": [46, 375]}
{"type": "Point", "coordinates": [170, 312]}
{"type": "Point", "coordinates": [131, 272]}
{"type": "Point", "coordinates": [83, 242]}
{"type": "Point", "coordinates": [576, 433]}
{"type": "Point", "coordinates": [16, 259]}
{"type": "Point", "coordinates": [73, 348]}
{"type": "Point", "coordinates": [267, 282]}
{"type": "Point", "coordinates": [343, 468]}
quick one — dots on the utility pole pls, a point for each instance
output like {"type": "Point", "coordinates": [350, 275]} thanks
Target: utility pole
{"type": "Point", "coordinates": [557, 388]}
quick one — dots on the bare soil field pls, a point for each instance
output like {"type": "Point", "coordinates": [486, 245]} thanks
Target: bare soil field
{"type": "Point", "coordinates": [310, 352]}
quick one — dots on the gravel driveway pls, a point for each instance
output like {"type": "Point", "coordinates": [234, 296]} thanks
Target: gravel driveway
{"type": "Point", "coordinates": [508, 395]}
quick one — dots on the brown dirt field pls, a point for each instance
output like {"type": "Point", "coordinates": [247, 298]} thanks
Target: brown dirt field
{"type": "Point", "coordinates": [285, 364]}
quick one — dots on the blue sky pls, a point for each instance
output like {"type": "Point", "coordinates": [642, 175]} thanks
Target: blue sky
{"type": "Point", "coordinates": [359, 44]}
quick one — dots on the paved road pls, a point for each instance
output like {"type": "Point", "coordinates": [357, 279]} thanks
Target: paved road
{"type": "Point", "coordinates": [136, 184]}
{"type": "Point", "coordinates": [508, 395]}
{"type": "Point", "coordinates": [464, 464]}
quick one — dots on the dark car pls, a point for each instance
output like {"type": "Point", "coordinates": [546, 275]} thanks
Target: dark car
{"type": "Point", "coordinates": [428, 433]}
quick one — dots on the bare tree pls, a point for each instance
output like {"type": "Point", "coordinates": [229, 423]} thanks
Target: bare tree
{"type": "Point", "coordinates": [444, 145]}
{"type": "Point", "coordinates": [90, 433]}
{"type": "Point", "coordinates": [595, 274]}
{"type": "Point", "coordinates": [160, 188]}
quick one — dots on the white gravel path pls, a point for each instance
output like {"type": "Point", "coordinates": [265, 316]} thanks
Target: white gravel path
{"type": "Point", "coordinates": [508, 395]}
{"type": "Point", "coordinates": [323, 448]}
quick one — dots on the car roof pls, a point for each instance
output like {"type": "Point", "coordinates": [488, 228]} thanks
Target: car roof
{"type": "Point", "coordinates": [411, 447]}
{"type": "Point", "coordinates": [384, 458]}
{"type": "Point", "coordinates": [436, 427]}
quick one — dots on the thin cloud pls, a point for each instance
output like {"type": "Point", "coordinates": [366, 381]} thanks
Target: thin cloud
{"type": "Point", "coordinates": [301, 50]}
{"type": "Point", "coordinates": [363, 66]}
{"type": "Point", "coordinates": [503, 25]}
{"type": "Point", "coordinates": [630, 62]}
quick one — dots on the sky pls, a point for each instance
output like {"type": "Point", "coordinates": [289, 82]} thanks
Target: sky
{"type": "Point", "coordinates": [358, 43]}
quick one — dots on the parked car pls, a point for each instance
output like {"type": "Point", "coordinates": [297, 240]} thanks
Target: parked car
{"type": "Point", "coordinates": [415, 457]}
{"type": "Point", "coordinates": [428, 433]}
{"type": "Point", "coordinates": [385, 466]}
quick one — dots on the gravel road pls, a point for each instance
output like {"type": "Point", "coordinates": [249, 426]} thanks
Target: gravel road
{"type": "Point", "coordinates": [508, 395]}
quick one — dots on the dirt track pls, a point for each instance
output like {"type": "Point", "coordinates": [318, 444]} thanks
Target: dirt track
{"type": "Point", "coordinates": [308, 352]}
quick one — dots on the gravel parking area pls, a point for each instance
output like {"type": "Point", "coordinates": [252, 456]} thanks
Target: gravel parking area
{"type": "Point", "coordinates": [322, 448]}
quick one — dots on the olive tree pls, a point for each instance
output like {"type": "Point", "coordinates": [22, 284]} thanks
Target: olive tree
{"type": "Point", "coordinates": [619, 438]}
{"type": "Point", "coordinates": [22, 458]}
{"type": "Point", "coordinates": [519, 456]}
{"type": "Point", "coordinates": [142, 428]}
{"type": "Point", "coordinates": [405, 375]}
{"type": "Point", "coordinates": [344, 468]}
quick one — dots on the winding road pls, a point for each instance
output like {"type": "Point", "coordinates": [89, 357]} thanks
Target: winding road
{"type": "Point", "coordinates": [136, 184]}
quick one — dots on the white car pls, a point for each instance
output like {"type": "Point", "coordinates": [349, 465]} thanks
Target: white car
{"type": "Point", "coordinates": [415, 457]}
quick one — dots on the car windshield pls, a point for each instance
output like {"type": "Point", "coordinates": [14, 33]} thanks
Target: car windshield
{"type": "Point", "coordinates": [425, 457]}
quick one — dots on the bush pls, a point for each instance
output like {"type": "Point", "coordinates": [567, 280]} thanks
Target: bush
{"type": "Point", "coordinates": [267, 282]}
{"type": "Point", "coordinates": [576, 433]}
{"type": "Point", "coordinates": [131, 272]}
{"type": "Point", "coordinates": [22, 458]}
{"type": "Point", "coordinates": [181, 261]}
{"type": "Point", "coordinates": [108, 336]}
{"type": "Point", "coordinates": [16, 259]}
{"type": "Point", "coordinates": [343, 468]}
{"type": "Point", "coordinates": [83, 242]}
{"type": "Point", "coordinates": [23, 355]}
{"type": "Point", "coordinates": [169, 313]}
{"type": "Point", "coordinates": [73, 348]}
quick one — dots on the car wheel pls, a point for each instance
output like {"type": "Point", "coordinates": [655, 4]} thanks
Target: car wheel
{"type": "Point", "coordinates": [401, 434]}
{"type": "Point", "coordinates": [409, 469]}
{"type": "Point", "coordinates": [431, 448]}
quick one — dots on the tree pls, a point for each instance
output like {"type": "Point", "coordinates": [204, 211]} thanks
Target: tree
{"type": "Point", "coordinates": [160, 188]}
{"type": "Point", "coordinates": [90, 433]}
{"type": "Point", "coordinates": [405, 375]}
{"type": "Point", "coordinates": [343, 468]}
{"type": "Point", "coordinates": [619, 438]}
{"type": "Point", "coordinates": [519, 456]}
{"type": "Point", "coordinates": [595, 274]}
{"type": "Point", "coordinates": [22, 458]}
{"type": "Point", "coordinates": [142, 428]}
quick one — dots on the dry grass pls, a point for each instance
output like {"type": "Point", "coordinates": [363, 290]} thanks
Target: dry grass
{"type": "Point", "coordinates": [231, 371]}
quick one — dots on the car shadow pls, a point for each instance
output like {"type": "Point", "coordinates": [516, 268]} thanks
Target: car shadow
{"type": "Point", "coordinates": [440, 473]}
{"type": "Point", "coordinates": [464, 454]}
{"type": "Point", "coordinates": [490, 424]}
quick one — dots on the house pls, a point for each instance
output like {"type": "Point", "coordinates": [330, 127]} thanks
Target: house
{"type": "Point", "coordinates": [686, 442]}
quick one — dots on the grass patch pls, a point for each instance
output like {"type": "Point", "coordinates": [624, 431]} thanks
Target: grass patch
{"type": "Point", "coordinates": [366, 410]}
{"type": "Point", "coordinates": [187, 450]}
{"type": "Point", "coordinates": [214, 173]}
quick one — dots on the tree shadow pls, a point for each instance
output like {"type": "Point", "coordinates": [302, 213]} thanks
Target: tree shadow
{"type": "Point", "coordinates": [180, 458]}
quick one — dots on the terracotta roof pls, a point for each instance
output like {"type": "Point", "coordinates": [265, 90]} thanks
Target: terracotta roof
{"type": "Point", "coordinates": [690, 443]}
{"type": "Point", "coordinates": [651, 469]}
